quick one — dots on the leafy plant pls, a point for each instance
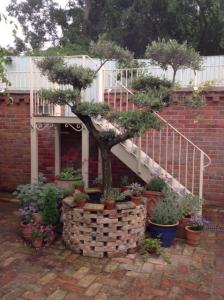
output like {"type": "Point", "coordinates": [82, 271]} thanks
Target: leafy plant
{"type": "Point", "coordinates": [38, 231]}
{"type": "Point", "coordinates": [67, 192]}
{"type": "Point", "coordinates": [70, 173]}
{"type": "Point", "coordinates": [124, 180]}
{"type": "Point", "coordinates": [197, 223]}
{"type": "Point", "coordinates": [112, 197]}
{"type": "Point", "coordinates": [125, 196]}
{"type": "Point", "coordinates": [156, 184]}
{"type": "Point", "coordinates": [78, 183]}
{"type": "Point", "coordinates": [151, 244]}
{"type": "Point", "coordinates": [34, 194]}
{"type": "Point", "coordinates": [136, 189]}
{"type": "Point", "coordinates": [81, 197]}
{"type": "Point", "coordinates": [148, 82]}
{"type": "Point", "coordinates": [50, 212]}
{"type": "Point", "coordinates": [190, 204]}
{"type": "Point", "coordinates": [26, 214]}
{"type": "Point", "coordinates": [168, 210]}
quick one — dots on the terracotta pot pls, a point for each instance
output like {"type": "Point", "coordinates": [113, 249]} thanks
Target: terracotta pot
{"type": "Point", "coordinates": [181, 232]}
{"type": "Point", "coordinates": [124, 188]}
{"type": "Point", "coordinates": [26, 230]}
{"type": "Point", "coordinates": [136, 200]}
{"type": "Point", "coordinates": [38, 242]}
{"type": "Point", "coordinates": [51, 236]}
{"type": "Point", "coordinates": [152, 200]}
{"type": "Point", "coordinates": [80, 188]}
{"type": "Point", "coordinates": [109, 205]}
{"type": "Point", "coordinates": [64, 184]}
{"type": "Point", "coordinates": [37, 218]}
{"type": "Point", "coordinates": [193, 236]}
{"type": "Point", "coordinates": [80, 204]}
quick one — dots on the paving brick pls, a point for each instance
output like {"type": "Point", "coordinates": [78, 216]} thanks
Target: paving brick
{"type": "Point", "coordinates": [47, 278]}
{"type": "Point", "coordinates": [93, 289]}
{"type": "Point", "coordinates": [87, 280]}
{"type": "Point", "coordinates": [57, 295]}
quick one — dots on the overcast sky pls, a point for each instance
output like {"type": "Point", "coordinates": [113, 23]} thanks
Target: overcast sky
{"type": "Point", "coordinates": [6, 29]}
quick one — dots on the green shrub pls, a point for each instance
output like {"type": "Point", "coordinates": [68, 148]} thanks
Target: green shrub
{"type": "Point", "coordinates": [34, 194]}
{"type": "Point", "coordinates": [113, 196]}
{"type": "Point", "coordinates": [168, 210]}
{"type": "Point", "coordinates": [149, 82]}
{"type": "Point", "coordinates": [81, 197]}
{"type": "Point", "coordinates": [78, 183]}
{"type": "Point", "coordinates": [190, 204]}
{"type": "Point", "coordinates": [50, 212]}
{"type": "Point", "coordinates": [70, 173]}
{"type": "Point", "coordinates": [149, 243]}
{"type": "Point", "coordinates": [156, 184]}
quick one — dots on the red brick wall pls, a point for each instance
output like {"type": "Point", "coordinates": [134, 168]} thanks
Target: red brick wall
{"type": "Point", "coordinates": [14, 142]}
{"type": "Point", "coordinates": [205, 127]}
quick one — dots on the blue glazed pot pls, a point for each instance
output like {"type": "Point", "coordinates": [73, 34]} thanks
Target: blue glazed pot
{"type": "Point", "coordinates": [166, 233]}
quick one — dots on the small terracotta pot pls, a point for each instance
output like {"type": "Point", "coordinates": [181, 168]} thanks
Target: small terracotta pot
{"type": "Point", "coordinates": [193, 236]}
{"type": "Point", "coordinates": [181, 232]}
{"type": "Point", "coordinates": [51, 236]}
{"type": "Point", "coordinates": [38, 242]}
{"type": "Point", "coordinates": [26, 230]}
{"type": "Point", "coordinates": [124, 188]}
{"type": "Point", "coordinates": [80, 204]}
{"type": "Point", "coordinates": [136, 200]}
{"type": "Point", "coordinates": [109, 205]}
{"type": "Point", "coordinates": [80, 188]}
{"type": "Point", "coordinates": [37, 218]}
{"type": "Point", "coordinates": [152, 200]}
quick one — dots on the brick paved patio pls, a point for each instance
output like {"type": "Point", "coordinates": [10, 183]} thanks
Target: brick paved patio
{"type": "Point", "coordinates": [56, 273]}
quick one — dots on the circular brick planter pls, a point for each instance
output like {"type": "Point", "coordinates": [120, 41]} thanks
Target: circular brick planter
{"type": "Point", "coordinates": [93, 231]}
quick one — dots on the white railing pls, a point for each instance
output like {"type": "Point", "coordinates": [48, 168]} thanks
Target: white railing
{"type": "Point", "coordinates": [168, 147]}
{"type": "Point", "coordinates": [212, 74]}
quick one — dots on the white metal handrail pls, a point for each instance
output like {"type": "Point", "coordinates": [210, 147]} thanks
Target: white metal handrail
{"type": "Point", "coordinates": [168, 147]}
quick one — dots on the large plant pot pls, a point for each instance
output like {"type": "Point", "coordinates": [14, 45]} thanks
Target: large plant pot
{"type": "Point", "coordinates": [26, 230]}
{"type": "Point", "coordinates": [37, 218]}
{"type": "Point", "coordinates": [109, 205]}
{"type": "Point", "coordinates": [181, 231]}
{"type": "Point", "coordinates": [152, 200]}
{"type": "Point", "coordinates": [124, 188]}
{"type": "Point", "coordinates": [65, 184]}
{"type": "Point", "coordinates": [193, 236]}
{"type": "Point", "coordinates": [136, 200]}
{"type": "Point", "coordinates": [165, 233]}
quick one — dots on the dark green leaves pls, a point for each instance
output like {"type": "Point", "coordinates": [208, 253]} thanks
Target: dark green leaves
{"type": "Point", "coordinates": [92, 109]}
{"type": "Point", "coordinates": [61, 97]}
{"type": "Point", "coordinates": [58, 71]}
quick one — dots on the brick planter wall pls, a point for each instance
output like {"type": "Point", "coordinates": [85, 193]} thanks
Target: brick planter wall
{"type": "Point", "coordinates": [100, 233]}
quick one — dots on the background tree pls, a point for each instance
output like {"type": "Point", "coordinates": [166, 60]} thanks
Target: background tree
{"type": "Point", "coordinates": [171, 53]}
{"type": "Point", "coordinates": [130, 23]}
{"type": "Point", "coordinates": [131, 123]}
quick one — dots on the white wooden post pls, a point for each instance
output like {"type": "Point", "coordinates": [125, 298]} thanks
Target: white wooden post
{"type": "Point", "coordinates": [57, 149]}
{"type": "Point", "coordinates": [85, 155]}
{"type": "Point", "coordinates": [101, 85]}
{"type": "Point", "coordinates": [33, 133]}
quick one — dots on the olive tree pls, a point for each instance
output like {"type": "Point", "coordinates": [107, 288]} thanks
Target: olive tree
{"type": "Point", "coordinates": [131, 123]}
{"type": "Point", "coordinates": [174, 54]}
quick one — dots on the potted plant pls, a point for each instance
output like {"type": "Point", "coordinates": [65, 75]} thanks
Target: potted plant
{"type": "Point", "coordinates": [65, 179]}
{"type": "Point", "coordinates": [190, 206]}
{"type": "Point", "coordinates": [50, 234]}
{"type": "Point", "coordinates": [109, 201]}
{"type": "Point", "coordinates": [194, 229]}
{"type": "Point", "coordinates": [152, 246]}
{"type": "Point", "coordinates": [136, 190]}
{"type": "Point", "coordinates": [124, 183]}
{"type": "Point", "coordinates": [79, 185]}
{"type": "Point", "coordinates": [38, 234]}
{"type": "Point", "coordinates": [80, 199]}
{"type": "Point", "coordinates": [165, 218]}
{"type": "Point", "coordinates": [98, 182]}
{"type": "Point", "coordinates": [153, 192]}
{"type": "Point", "coordinates": [26, 216]}
{"type": "Point", "coordinates": [124, 196]}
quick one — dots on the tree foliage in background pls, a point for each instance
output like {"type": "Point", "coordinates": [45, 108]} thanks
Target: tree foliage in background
{"type": "Point", "coordinates": [131, 23]}
{"type": "Point", "coordinates": [131, 123]}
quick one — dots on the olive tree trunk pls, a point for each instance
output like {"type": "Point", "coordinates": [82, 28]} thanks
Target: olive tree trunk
{"type": "Point", "coordinates": [106, 169]}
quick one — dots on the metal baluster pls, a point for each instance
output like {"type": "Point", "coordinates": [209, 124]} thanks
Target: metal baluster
{"type": "Point", "coordinates": [186, 166]}
{"type": "Point", "coordinates": [192, 190]}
